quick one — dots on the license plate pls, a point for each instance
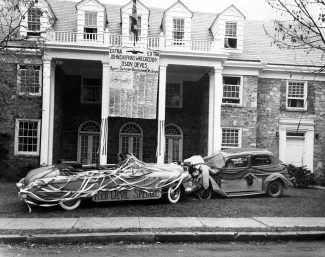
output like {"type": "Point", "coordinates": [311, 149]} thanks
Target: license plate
{"type": "Point", "coordinates": [125, 195]}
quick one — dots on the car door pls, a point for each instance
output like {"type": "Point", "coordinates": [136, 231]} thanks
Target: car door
{"type": "Point", "coordinates": [261, 166]}
{"type": "Point", "coordinates": [236, 176]}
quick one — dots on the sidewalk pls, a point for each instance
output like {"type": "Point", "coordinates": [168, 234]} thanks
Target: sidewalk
{"type": "Point", "coordinates": [162, 229]}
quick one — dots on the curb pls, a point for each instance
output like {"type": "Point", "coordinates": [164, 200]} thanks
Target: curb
{"type": "Point", "coordinates": [163, 237]}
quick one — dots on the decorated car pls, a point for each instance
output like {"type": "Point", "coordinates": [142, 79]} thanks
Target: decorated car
{"type": "Point", "coordinates": [131, 179]}
{"type": "Point", "coordinates": [237, 172]}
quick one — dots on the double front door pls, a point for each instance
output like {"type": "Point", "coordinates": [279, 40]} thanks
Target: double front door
{"type": "Point", "coordinates": [89, 148]}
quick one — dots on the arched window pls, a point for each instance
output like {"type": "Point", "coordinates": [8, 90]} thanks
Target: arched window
{"type": "Point", "coordinates": [174, 143]}
{"type": "Point", "coordinates": [88, 142]}
{"type": "Point", "coordinates": [131, 138]}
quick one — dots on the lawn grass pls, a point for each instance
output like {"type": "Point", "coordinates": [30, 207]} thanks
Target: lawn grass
{"type": "Point", "coordinates": [294, 203]}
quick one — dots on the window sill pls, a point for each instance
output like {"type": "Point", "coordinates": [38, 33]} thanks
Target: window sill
{"type": "Point", "coordinates": [28, 155]}
{"type": "Point", "coordinates": [29, 94]}
{"type": "Point", "coordinates": [292, 109]}
{"type": "Point", "coordinates": [232, 105]}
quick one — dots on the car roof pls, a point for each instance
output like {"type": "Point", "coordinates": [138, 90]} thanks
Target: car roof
{"type": "Point", "coordinates": [243, 151]}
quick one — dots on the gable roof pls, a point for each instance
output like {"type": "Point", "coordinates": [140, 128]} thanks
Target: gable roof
{"type": "Point", "coordinates": [83, 1]}
{"type": "Point", "coordinates": [178, 2]}
{"type": "Point", "coordinates": [257, 45]}
{"type": "Point", "coordinates": [229, 7]}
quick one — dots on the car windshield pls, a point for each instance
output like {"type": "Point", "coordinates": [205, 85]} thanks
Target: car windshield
{"type": "Point", "coordinates": [216, 161]}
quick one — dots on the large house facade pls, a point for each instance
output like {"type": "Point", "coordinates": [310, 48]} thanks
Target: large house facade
{"type": "Point", "coordinates": [220, 84]}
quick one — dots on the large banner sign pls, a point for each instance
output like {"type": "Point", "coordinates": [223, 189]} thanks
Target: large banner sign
{"type": "Point", "coordinates": [133, 83]}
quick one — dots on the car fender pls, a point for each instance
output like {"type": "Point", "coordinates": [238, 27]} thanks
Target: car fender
{"type": "Point", "coordinates": [216, 188]}
{"type": "Point", "coordinates": [273, 177]}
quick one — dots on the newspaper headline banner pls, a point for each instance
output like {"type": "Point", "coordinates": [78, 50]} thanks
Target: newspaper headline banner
{"type": "Point", "coordinates": [133, 82]}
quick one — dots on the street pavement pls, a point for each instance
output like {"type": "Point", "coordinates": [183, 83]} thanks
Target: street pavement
{"type": "Point", "coordinates": [162, 229]}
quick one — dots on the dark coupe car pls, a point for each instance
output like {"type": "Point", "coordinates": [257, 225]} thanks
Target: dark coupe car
{"type": "Point", "coordinates": [242, 171]}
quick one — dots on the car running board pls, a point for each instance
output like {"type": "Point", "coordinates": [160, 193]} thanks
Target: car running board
{"type": "Point", "coordinates": [244, 193]}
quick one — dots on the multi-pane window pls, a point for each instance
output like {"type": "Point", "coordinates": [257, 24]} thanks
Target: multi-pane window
{"type": "Point", "coordinates": [27, 137]}
{"type": "Point", "coordinates": [231, 35]}
{"type": "Point", "coordinates": [29, 78]}
{"type": "Point", "coordinates": [174, 95]}
{"type": "Point", "coordinates": [231, 90]}
{"type": "Point", "coordinates": [178, 31]}
{"type": "Point", "coordinates": [138, 25]}
{"type": "Point", "coordinates": [231, 138]}
{"type": "Point", "coordinates": [91, 90]}
{"type": "Point", "coordinates": [90, 28]}
{"type": "Point", "coordinates": [296, 95]}
{"type": "Point", "coordinates": [131, 140]}
{"type": "Point", "coordinates": [34, 21]}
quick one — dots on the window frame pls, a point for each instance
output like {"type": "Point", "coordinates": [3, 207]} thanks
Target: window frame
{"type": "Point", "coordinates": [16, 149]}
{"type": "Point", "coordinates": [178, 41]}
{"type": "Point", "coordinates": [305, 87]}
{"type": "Point", "coordinates": [261, 155]}
{"type": "Point", "coordinates": [231, 36]}
{"type": "Point", "coordinates": [240, 90]}
{"type": "Point", "coordinates": [130, 138]}
{"type": "Point", "coordinates": [19, 79]}
{"type": "Point", "coordinates": [239, 129]}
{"type": "Point", "coordinates": [90, 35]}
{"type": "Point", "coordinates": [180, 83]}
{"type": "Point", "coordinates": [82, 93]}
{"type": "Point", "coordinates": [32, 23]}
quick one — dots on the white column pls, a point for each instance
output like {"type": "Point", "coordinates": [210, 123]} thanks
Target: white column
{"type": "Point", "coordinates": [211, 112]}
{"type": "Point", "coordinates": [161, 114]}
{"type": "Point", "coordinates": [104, 114]}
{"type": "Point", "coordinates": [51, 128]}
{"type": "Point", "coordinates": [217, 94]}
{"type": "Point", "coordinates": [46, 99]}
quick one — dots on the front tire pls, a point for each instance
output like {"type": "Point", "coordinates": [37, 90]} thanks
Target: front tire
{"type": "Point", "coordinates": [70, 205]}
{"type": "Point", "coordinates": [204, 194]}
{"type": "Point", "coordinates": [275, 188]}
{"type": "Point", "coordinates": [173, 195]}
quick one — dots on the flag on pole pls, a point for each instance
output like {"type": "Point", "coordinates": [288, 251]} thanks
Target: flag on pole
{"type": "Point", "coordinates": [134, 23]}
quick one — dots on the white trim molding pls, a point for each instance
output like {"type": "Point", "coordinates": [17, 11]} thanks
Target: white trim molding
{"type": "Point", "coordinates": [30, 135]}
{"type": "Point", "coordinates": [306, 126]}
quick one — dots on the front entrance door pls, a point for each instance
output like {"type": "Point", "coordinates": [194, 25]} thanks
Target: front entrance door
{"type": "Point", "coordinates": [89, 145]}
{"type": "Point", "coordinates": [173, 145]}
{"type": "Point", "coordinates": [295, 150]}
{"type": "Point", "coordinates": [88, 142]}
{"type": "Point", "coordinates": [172, 150]}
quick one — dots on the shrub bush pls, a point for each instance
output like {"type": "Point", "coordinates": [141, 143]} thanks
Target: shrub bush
{"type": "Point", "coordinates": [300, 176]}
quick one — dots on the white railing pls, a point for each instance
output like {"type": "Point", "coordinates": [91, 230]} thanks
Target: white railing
{"type": "Point", "coordinates": [107, 39]}
{"type": "Point", "coordinates": [150, 42]}
{"type": "Point", "coordinates": [192, 45]}
{"type": "Point", "coordinates": [74, 37]}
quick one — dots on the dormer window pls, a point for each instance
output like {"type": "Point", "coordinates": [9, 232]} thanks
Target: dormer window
{"type": "Point", "coordinates": [90, 29]}
{"type": "Point", "coordinates": [231, 35]}
{"type": "Point", "coordinates": [34, 22]}
{"type": "Point", "coordinates": [139, 27]}
{"type": "Point", "coordinates": [178, 31]}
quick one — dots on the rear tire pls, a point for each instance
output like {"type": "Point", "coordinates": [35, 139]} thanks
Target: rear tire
{"type": "Point", "coordinates": [70, 205]}
{"type": "Point", "coordinates": [173, 195]}
{"type": "Point", "coordinates": [275, 188]}
{"type": "Point", "coordinates": [204, 194]}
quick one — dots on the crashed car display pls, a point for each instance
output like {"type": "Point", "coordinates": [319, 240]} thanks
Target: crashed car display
{"type": "Point", "coordinates": [237, 172]}
{"type": "Point", "coordinates": [131, 179]}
